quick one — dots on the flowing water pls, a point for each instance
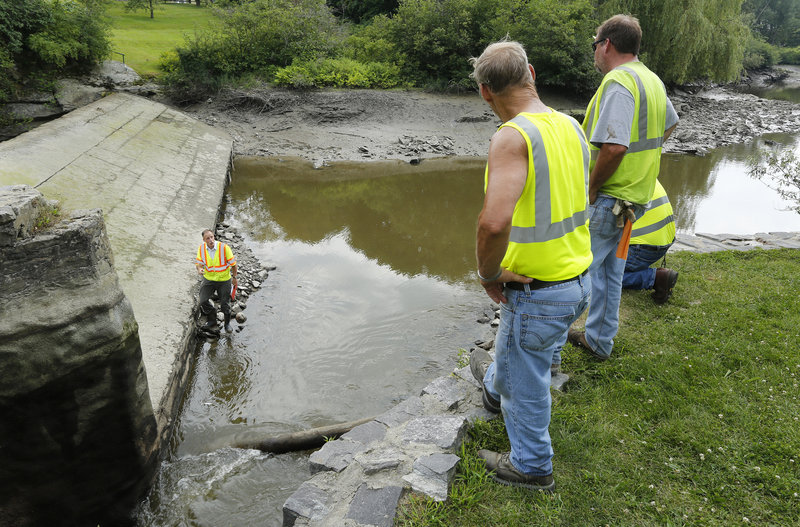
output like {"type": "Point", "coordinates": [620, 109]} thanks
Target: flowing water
{"type": "Point", "coordinates": [373, 296]}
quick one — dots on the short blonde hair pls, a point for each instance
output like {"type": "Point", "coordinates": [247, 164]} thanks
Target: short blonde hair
{"type": "Point", "coordinates": [502, 64]}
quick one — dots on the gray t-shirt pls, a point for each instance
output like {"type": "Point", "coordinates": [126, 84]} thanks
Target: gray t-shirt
{"type": "Point", "coordinates": [616, 117]}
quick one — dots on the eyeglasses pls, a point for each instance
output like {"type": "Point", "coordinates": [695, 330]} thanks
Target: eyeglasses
{"type": "Point", "coordinates": [597, 43]}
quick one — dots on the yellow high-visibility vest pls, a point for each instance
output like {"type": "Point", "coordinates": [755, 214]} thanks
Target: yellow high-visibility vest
{"type": "Point", "coordinates": [549, 237]}
{"type": "Point", "coordinates": [657, 225]}
{"type": "Point", "coordinates": [635, 177]}
{"type": "Point", "coordinates": [217, 267]}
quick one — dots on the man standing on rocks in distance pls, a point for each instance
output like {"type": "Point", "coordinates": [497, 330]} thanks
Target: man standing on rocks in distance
{"type": "Point", "coordinates": [627, 121]}
{"type": "Point", "coordinates": [216, 263]}
{"type": "Point", "coordinates": [533, 251]}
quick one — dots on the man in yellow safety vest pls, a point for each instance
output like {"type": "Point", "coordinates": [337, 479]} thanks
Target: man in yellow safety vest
{"type": "Point", "coordinates": [215, 262]}
{"type": "Point", "coordinates": [533, 250]}
{"type": "Point", "coordinates": [626, 122]}
{"type": "Point", "coordinates": [652, 236]}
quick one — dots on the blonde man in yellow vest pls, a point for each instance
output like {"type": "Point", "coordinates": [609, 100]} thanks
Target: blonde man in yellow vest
{"type": "Point", "coordinates": [652, 236]}
{"type": "Point", "coordinates": [215, 262]}
{"type": "Point", "coordinates": [626, 122]}
{"type": "Point", "coordinates": [533, 250]}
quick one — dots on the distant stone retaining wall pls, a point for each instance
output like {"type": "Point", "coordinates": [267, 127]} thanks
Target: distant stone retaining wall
{"type": "Point", "coordinates": [78, 433]}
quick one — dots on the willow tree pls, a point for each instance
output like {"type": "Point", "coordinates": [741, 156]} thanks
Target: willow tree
{"type": "Point", "coordinates": [687, 40]}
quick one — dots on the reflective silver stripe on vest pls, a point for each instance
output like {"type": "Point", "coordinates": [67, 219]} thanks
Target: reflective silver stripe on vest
{"type": "Point", "coordinates": [545, 231]}
{"type": "Point", "coordinates": [657, 202]}
{"type": "Point", "coordinates": [651, 228]}
{"type": "Point", "coordinates": [643, 143]}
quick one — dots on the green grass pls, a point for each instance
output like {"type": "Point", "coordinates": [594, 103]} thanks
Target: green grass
{"type": "Point", "coordinates": [142, 40]}
{"type": "Point", "coordinates": [693, 421]}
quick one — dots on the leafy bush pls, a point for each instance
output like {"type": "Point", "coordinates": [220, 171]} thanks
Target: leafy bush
{"type": "Point", "coordinates": [74, 36]}
{"type": "Point", "coordinates": [339, 73]}
{"type": "Point", "coordinates": [758, 54]}
{"type": "Point", "coordinates": [790, 55]}
{"type": "Point", "coordinates": [371, 43]}
{"type": "Point", "coordinates": [556, 36]}
{"type": "Point", "coordinates": [41, 39]}
{"type": "Point", "coordinates": [436, 38]}
{"type": "Point", "coordinates": [259, 36]}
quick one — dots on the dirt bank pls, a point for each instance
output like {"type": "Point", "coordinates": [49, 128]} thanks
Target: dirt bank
{"type": "Point", "coordinates": [323, 126]}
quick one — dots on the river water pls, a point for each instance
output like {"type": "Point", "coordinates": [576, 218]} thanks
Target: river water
{"type": "Point", "coordinates": [372, 298]}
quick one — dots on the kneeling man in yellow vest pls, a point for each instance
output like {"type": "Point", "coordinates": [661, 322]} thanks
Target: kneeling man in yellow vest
{"type": "Point", "coordinates": [216, 263]}
{"type": "Point", "coordinates": [652, 236]}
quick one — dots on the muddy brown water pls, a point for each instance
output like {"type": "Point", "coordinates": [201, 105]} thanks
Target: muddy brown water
{"type": "Point", "coordinates": [372, 298]}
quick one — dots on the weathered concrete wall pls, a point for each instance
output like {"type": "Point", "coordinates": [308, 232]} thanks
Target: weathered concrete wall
{"type": "Point", "coordinates": [78, 434]}
{"type": "Point", "coordinates": [159, 177]}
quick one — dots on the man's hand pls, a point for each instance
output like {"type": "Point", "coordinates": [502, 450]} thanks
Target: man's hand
{"type": "Point", "coordinates": [495, 288]}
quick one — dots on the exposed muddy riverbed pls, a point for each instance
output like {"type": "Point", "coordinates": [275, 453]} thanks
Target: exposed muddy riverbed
{"type": "Point", "coordinates": [363, 125]}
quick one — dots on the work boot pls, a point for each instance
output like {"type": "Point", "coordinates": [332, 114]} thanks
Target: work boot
{"type": "Point", "coordinates": [665, 281]}
{"type": "Point", "coordinates": [578, 340]}
{"type": "Point", "coordinates": [479, 361]}
{"type": "Point", "coordinates": [228, 327]}
{"type": "Point", "coordinates": [505, 473]}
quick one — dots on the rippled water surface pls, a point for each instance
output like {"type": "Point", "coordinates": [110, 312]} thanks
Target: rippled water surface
{"type": "Point", "coordinates": [372, 298]}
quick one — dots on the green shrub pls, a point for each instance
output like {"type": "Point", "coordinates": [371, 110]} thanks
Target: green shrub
{"type": "Point", "coordinates": [556, 35]}
{"type": "Point", "coordinates": [258, 36]}
{"type": "Point", "coordinates": [790, 55]}
{"type": "Point", "coordinates": [436, 38]}
{"type": "Point", "coordinates": [41, 39]}
{"type": "Point", "coordinates": [338, 73]}
{"type": "Point", "coordinates": [759, 54]}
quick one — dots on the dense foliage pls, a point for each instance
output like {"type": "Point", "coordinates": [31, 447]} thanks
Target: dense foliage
{"type": "Point", "coordinates": [41, 39]}
{"type": "Point", "coordinates": [423, 43]}
{"type": "Point", "coordinates": [687, 40]}
{"type": "Point", "coordinates": [776, 21]}
{"type": "Point", "coordinates": [256, 37]}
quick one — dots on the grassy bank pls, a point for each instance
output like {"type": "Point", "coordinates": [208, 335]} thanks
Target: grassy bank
{"type": "Point", "coordinates": [142, 40]}
{"type": "Point", "coordinates": [694, 420]}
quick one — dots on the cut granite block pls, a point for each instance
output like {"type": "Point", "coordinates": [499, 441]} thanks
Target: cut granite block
{"type": "Point", "coordinates": [334, 455]}
{"type": "Point", "coordinates": [307, 502]}
{"type": "Point", "coordinates": [466, 374]}
{"type": "Point", "coordinates": [383, 459]}
{"type": "Point", "coordinates": [402, 412]}
{"type": "Point", "coordinates": [375, 506]}
{"type": "Point", "coordinates": [366, 433]}
{"type": "Point", "coordinates": [446, 432]}
{"type": "Point", "coordinates": [448, 389]}
{"type": "Point", "coordinates": [432, 475]}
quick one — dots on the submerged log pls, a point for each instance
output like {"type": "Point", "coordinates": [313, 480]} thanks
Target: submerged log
{"type": "Point", "coordinates": [303, 440]}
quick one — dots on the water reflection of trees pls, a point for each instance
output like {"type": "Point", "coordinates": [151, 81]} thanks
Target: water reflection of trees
{"type": "Point", "coordinates": [420, 222]}
{"type": "Point", "coordinates": [688, 181]}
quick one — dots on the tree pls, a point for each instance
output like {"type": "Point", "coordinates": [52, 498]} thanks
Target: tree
{"type": "Point", "coordinates": [133, 5]}
{"type": "Point", "coordinates": [556, 35]}
{"type": "Point", "coordinates": [686, 40]}
{"type": "Point", "coordinates": [777, 21]}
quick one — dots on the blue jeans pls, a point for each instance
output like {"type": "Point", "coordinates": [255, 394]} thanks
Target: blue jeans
{"type": "Point", "coordinates": [533, 324]}
{"type": "Point", "coordinates": [638, 273]}
{"type": "Point", "coordinates": [606, 271]}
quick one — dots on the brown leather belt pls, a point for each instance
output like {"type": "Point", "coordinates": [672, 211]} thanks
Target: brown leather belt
{"type": "Point", "coordinates": [540, 284]}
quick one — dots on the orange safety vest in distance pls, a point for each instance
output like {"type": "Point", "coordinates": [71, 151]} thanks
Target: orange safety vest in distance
{"type": "Point", "coordinates": [216, 268]}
